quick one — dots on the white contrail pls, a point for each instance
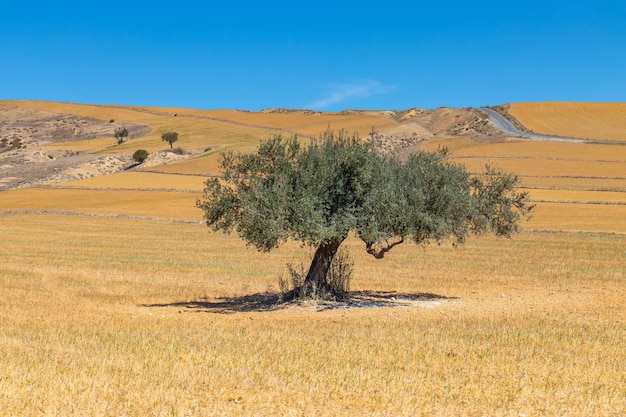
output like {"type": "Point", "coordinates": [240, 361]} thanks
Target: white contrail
{"type": "Point", "coordinates": [346, 91]}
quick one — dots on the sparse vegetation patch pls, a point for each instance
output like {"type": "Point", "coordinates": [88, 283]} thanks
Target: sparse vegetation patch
{"type": "Point", "coordinates": [140, 155]}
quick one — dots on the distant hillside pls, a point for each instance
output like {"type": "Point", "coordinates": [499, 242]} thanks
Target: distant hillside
{"type": "Point", "coordinates": [63, 157]}
{"type": "Point", "coordinates": [47, 142]}
{"type": "Point", "coordinates": [606, 121]}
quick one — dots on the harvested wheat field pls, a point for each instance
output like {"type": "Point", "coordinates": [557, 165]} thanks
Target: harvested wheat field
{"type": "Point", "coordinates": [605, 121]}
{"type": "Point", "coordinates": [116, 300]}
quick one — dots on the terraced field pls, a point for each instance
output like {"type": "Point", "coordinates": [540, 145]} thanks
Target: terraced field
{"type": "Point", "coordinates": [557, 173]}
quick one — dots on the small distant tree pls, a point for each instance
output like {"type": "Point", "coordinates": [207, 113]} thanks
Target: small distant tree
{"type": "Point", "coordinates": [140, 155]}
{"type": "Point", "coordinates": [317, 194]}
{"type": "Point", "coordinates": [120, 134]}
{"type": "Point", "coordinates": [169, 137]}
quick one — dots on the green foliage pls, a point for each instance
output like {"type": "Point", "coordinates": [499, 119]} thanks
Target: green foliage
{"type": "Point", "coordinates": [140, 155]}
{"type": "Point", "coordinates": [319, 193]}
{"type": "Point", "coordinates": [120, 133]}
{"type": "Point", "coordinates": [169, 137]}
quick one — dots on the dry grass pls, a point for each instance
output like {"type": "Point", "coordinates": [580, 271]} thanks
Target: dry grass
{"type": "Point", "coordinates": [120, 202]}
{"type": "Point", "coordinates": [199, 129]}
{"type": "Point", "coordinates": [140, 181]}
{"type": "Point", "coordinates": [562, 168]}
{"type": "Point", "coordinates": [577, 187]}
{"type": "Point", "coordinates": [114, 300]}
{"type": "Point", "coordinates": [590, 211]}
{"type": "Point", "coordinates": [580, 120]}
{"type": "Point", "coordinates": [194, 133]}
{"type": "Point", "coordinates": [310, 124]}
{"type": "Point", "coordinates": [545, 162]}
{"type": "Point", "coordinates": [110, 316]}
{"type": "Point", "coordinates": [598, 197]}
{"type": "Point", "coordinates": [575, 217]}
{"type": "Point", "coordinates": [575, 183]}
{"type": "Point", "coordinates": [201, 165]}
{"type": "Point", "coordinates": [540, 150]}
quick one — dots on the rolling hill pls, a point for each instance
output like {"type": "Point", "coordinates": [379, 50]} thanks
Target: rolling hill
{"type": "Point", "coordinates": [61, 145]}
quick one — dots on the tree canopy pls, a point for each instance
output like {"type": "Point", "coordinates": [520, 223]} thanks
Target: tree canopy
{"type": "Point", "coordinates": [120, 133]}
{"type": "Point", "coordinates": [140, 155]}
{"type": "Point", "coordinates": [319, 193]}
{"type": "Point", "coordinates": [170, 137]}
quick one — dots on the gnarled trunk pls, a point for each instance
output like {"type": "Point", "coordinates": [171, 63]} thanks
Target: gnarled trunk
{"type": "Point", "coordinates": [316, 283]}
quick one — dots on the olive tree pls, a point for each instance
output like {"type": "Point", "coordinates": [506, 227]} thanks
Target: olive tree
{"type": "Point", "coordinates": [320, 192]}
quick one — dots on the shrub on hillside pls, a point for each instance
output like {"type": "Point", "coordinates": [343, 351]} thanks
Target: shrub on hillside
{"type": "Point", "coordinates": [140, 156]}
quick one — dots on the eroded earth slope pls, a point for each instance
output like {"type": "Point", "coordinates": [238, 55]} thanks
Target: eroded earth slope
{"type": "Point", "coordinates": [24, 159]}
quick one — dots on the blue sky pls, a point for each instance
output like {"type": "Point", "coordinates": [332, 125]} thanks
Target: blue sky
{"type": "Point", "coordinates": [326, 55]}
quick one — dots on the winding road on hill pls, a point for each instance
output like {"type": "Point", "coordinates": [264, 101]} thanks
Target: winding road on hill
{"type": "Point", "coordinates": [507, 127]}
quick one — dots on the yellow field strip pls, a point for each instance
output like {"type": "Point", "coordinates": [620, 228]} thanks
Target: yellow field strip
{"type": "Point", "coordinates": [202, 166]}
{"type": "Point", "coordinates": [574, 183]}
{"type": "Point", "coordinates": [569, 215]}
{"type": "Point", "coordinates": [139, 181]}
{"type": "Point", "coordinates": [576, 217]}
{"type": "Point", "coordinates": [304, 123]}
{"type": "Point", "coordinates": [560, 168]}
{"type": "Point", "coordinates": [149, 204]}
{"type": "Point", "coordinates": [606, 121]}
{"type": "Point", "coordinates": [599, 197]}
{"type": "Point", "coordinates": [465, 147]}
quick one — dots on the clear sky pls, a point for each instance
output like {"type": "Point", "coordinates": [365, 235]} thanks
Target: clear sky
{"type": "Point", "coordinates": [326, 55]}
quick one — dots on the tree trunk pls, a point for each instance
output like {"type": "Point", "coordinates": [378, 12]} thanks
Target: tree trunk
{"type": "Point", "coordinates": [315, 283]}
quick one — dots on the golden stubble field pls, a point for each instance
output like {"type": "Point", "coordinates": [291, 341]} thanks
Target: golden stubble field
{"type": "Point", "coordinates": [116, 300]}
{"type": "Point", "coordinates": [604, 121]}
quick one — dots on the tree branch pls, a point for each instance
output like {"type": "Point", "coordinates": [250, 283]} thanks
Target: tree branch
{"type": "Point", "coordinates": [379, 253]}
